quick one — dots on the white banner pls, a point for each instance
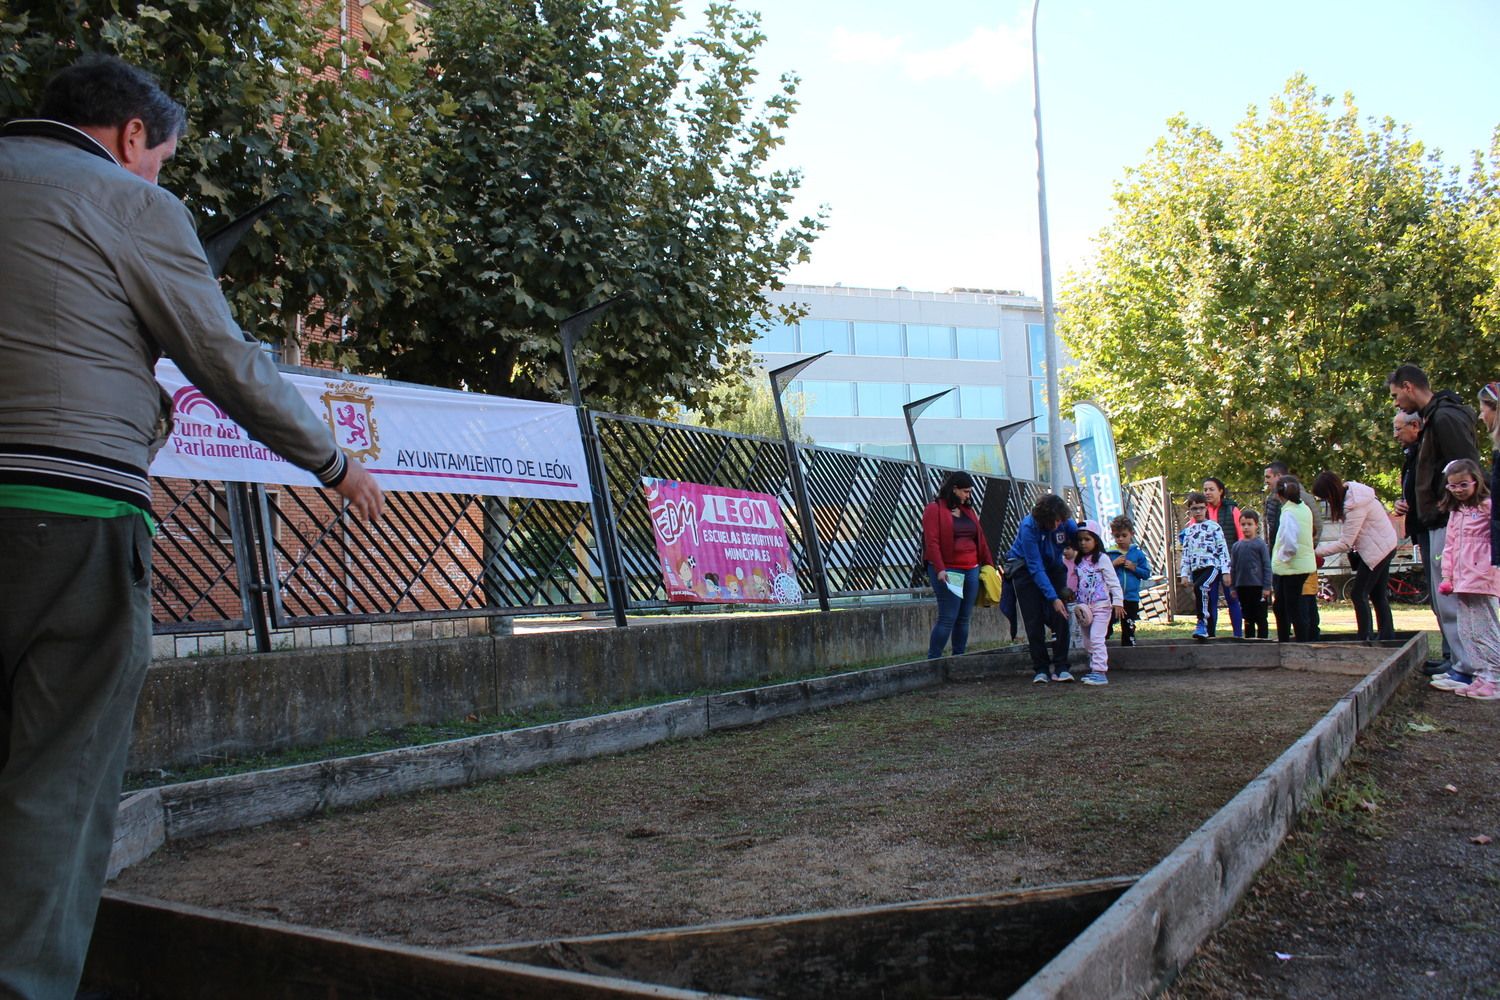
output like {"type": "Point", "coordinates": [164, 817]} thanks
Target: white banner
{"type": "Point", "coordinates": [411, 439]}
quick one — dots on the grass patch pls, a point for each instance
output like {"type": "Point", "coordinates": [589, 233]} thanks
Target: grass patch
{"type": "Point", "coordinates": [426, 734]}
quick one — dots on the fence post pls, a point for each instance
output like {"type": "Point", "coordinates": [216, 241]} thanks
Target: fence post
{"type": "Point", "coordinates": [1170, 570]}
{"type": "Point", "coordinates": [780, 379]}
{"type": "Point", "coordinates": [604, 526]}
{"type": "Point", "coordinates": [570, 331]}
{"type": "Point", "coordinates": [243, 529]}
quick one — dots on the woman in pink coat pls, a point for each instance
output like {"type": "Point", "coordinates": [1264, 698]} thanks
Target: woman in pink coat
{"type": "Point", "coordinates": [1370, 539]}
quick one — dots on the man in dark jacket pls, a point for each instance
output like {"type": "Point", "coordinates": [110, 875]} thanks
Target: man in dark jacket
{"type": "Point", "coordinates": [100, 273]}
{"type": "Point", "coordinates": [1407, 430]}
{"type": "Point", "coordinates": [1448, 434]}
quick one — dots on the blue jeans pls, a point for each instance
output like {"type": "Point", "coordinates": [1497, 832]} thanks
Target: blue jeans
{"type": "Point", "coordinates": [953, 612]}
{"type": "Point", "coordinates": [1231, 601]}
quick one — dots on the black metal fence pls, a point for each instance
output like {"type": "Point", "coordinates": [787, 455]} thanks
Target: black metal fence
{"type": "Point", "coordinates": [230, 557]}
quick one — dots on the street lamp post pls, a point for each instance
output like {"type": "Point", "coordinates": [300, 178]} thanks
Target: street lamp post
{"type": "Point", "coordinates": [1054, 412]}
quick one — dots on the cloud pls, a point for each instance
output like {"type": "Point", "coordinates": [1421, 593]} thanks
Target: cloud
{"type": "Point", "coordinates": [991, 56]}
{"type": "Point", "coordinates": [864, 47]}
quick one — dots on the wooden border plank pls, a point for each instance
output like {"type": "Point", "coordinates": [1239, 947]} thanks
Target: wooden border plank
{"type": "Point", "coordinates": [169, 951]}
{"type": "Point", "coordinates": [986, 944]}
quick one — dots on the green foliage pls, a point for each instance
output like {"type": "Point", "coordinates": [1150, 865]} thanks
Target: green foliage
{"type": "Point", "coordinates": [748, 407]}
{"type": "Point", "coordinates": [588, 154]}
{"type": "Point", "coordinates": [1248, 299]}
{"type": "Point", "coordinates": [273, 106]}
{"type": "Point", "coordinates": [1482, 236]}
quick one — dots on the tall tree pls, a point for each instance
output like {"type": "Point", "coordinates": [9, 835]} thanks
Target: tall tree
{"type": "Point", "coordinates": [1248, 299]}
{"type": "Point", "coordinates": [280, 99]}
{"type": "Point", "coordinates": [591, 154]}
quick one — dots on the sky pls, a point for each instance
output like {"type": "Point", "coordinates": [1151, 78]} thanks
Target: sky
{"type": "Point", "coordinates": [916, 132]}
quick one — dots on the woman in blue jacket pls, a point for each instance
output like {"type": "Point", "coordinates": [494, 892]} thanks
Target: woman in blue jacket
{"type": "Point", "coordinates": [1034, 574]}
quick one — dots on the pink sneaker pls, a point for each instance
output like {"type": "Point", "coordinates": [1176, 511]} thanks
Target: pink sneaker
{"type": "Point", "coordinates": [1480, 690]}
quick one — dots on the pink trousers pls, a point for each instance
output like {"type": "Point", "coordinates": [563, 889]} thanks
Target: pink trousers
{"type": "Point", "coordinates": [1093, 637]}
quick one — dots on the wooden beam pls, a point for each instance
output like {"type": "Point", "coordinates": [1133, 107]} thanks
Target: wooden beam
{"type": "Point", "coordinates": [979, 945]}
{"type": "Point", "coordinates": [167, 951]}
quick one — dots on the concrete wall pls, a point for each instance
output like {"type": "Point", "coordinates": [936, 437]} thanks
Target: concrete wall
{"type": "Point", "coordinates": [194, 711]}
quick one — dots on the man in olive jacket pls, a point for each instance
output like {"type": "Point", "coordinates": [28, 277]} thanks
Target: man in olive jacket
{"type": "Point", "coordinates": [100, 274]}
{"type": "Point", "coordinates": [1448, 433]}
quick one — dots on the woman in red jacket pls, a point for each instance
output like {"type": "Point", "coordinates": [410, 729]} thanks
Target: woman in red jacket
{"type": "Point", "coordinates": [954, 547]}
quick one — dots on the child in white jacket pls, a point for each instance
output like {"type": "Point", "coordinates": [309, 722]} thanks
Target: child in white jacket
{"type": "Point", "coordinates": [1100, 600]}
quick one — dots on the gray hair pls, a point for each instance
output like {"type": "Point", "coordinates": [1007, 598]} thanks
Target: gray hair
{"type": "Point", "coordinates": [103, 90]}
{"type": "Point", "coordinates": [1403, 418]}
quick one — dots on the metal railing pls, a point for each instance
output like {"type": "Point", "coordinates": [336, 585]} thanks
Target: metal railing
{"type": "Point", "coordinates": [237, 558]}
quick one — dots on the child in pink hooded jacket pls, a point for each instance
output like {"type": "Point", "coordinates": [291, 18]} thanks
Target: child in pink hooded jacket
{"type": "Point", "coordinates": [1468, 574]}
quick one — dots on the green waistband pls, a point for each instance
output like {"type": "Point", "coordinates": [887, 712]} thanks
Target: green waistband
{"type": "Point", "coordinates": [55, 501]}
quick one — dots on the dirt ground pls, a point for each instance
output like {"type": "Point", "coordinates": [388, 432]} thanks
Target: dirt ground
{"type": "Point", "coordinates": [968, 788]}
{"type": "Point", "coordinates": [1382, 892]}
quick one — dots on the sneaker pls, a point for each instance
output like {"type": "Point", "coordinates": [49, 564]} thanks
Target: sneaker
{"type": "Point", "coordinates": [1481, 690]}
{"type": "Point", "coordinates": [1433, 668]}
{"type": "Point", "coordinates": [1063, 677]}
{"type": "Point", "coordinates": [1093, 678]}
{"type": "Point", "coordinates": [1041, 677]}
{"type": "Point", "coordinates": [1201, 632]}
{"type": "Point", "coordinates": [1452, 681]}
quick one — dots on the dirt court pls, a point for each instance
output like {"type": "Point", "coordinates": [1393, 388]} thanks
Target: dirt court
{"type": "Point", "coordinates": [968, 788]}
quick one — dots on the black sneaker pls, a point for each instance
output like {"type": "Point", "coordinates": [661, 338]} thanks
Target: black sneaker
{"type": "Point", "coordinates": [1434, 667]}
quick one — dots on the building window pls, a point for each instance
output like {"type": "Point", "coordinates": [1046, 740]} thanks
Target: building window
{"type": "Point", "coordinates": [946, 455]}
{"type": "Point", "coordinates": [978, 343]}
{"type": "Point", "coordinates": [1036, 340]}
{"type": "Point", "coordinates": [929, 341]}
{"type": "Point", "coordinates": [825, 335]}
{"type": "Point", "coordinates": [945, 407]}
{"type": "Point", "coordinates": [983, 458]}
{"type": "Point", "coordinates": [777, 339]}
{"type": "Point", "coordinates": [881, 399]}
{"type": "Point", "coordinates": [878, 339]}
{"type": "Point", "coordinates": [983, 402]}
{"type": "Point", "coordinates": [1043, 447]}
{"type": "Point", "coordinates": [1038, 398]}
{"type": "Point", "coordinates": [827, 399]}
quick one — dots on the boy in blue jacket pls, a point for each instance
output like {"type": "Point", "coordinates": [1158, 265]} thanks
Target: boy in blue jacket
{"type": "Point", "coordinates": [1131, 566]}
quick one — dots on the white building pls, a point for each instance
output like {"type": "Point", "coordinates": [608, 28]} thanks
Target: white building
{"type": "Point", "coordinates": [893, 346]}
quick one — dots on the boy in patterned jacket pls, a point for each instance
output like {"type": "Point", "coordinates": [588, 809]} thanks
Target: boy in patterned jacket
{"type": "Point", "coordinates": [1204, 556]}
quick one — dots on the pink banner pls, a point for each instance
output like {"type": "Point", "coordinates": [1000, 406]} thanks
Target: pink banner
{"type": "Point", "coordinates": [720, 546]}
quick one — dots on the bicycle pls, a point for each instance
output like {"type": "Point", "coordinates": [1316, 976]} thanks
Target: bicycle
{"type": "Point", "coordinates": [1406, 588]}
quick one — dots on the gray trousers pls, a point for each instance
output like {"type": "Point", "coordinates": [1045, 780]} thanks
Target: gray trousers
{"type": "Point", "coordinates": [1445, 606]}
{"type": "Point", "coordinates": [75, 640]}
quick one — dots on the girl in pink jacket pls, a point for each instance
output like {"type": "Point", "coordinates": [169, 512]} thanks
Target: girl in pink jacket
{"type": "Point", "coordinates": [1468, 575]}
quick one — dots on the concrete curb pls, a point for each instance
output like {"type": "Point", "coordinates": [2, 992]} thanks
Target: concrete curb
{"type": "Point", "coordinates": [201, 710]}
{"type": "Point", "coordinates": [1141, 942]}
{"type": "Point", "coordinates": [218, 805]}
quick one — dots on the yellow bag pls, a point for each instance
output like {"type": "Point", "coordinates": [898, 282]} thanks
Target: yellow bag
{"type": "Point", "coordinates": [989, 587]}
